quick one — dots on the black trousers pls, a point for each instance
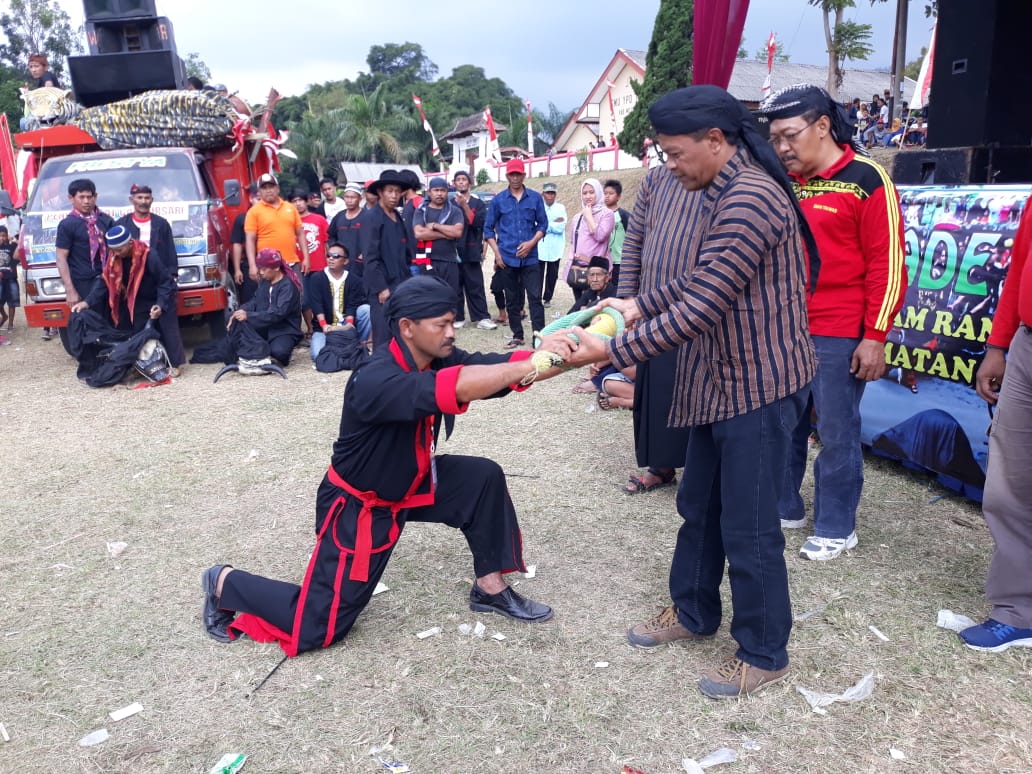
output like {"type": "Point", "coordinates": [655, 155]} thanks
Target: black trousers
{"type": "Point", "coordinates": [551, 275]}
{"type": "Point", "coordinates": [518, 279]}
{"type": "Point", "coordinates": [449, 272]}
{"type": "Point", "coordinates": [471, 496]}
{"type": "Point", "coordinates": [168, 327]}
{"type": "Point", "coordinates": [471, 277]}
{"type": "Point", "coordinates": [250, 342]}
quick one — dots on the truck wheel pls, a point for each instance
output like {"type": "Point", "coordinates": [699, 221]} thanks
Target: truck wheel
{"type": "Point", "coordinates": [63, 334]}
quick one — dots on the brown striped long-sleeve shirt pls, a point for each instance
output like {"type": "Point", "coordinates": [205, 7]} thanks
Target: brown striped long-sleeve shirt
{"type": "Point", "coordinates": [739, 307]}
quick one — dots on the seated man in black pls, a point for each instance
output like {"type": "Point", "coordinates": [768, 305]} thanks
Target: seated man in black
{"type": "Point", "coordinates": [133, 288]}
{"type": "Point", "coordinates": [384, 473]}
{"type": "Point", "coordinates": [599, 286]}
{"type": "Point", "coordinates": [338, 301]}
{"type": "Point", "coordinates": [268, 326]}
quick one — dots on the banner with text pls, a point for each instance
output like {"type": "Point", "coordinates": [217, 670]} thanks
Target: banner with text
{"type": "Point", "coordinates": [925, 412]}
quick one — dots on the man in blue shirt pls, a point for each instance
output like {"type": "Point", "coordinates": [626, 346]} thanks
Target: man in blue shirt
{"type": "Point", "coordinates": [516, 222]}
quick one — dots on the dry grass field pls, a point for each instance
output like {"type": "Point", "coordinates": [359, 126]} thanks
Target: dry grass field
{"type": "Point", "coordinates": [194, 473]}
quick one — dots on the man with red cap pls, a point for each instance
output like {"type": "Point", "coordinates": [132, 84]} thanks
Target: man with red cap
{"type": "Point", "coordinates": [516, 222]}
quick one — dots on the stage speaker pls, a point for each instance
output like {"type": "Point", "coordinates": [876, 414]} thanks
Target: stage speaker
{"type": "Point", "coordinates": [963, 166]}
{"type": "Point", "coordinates": [98, 10]}
{"type": "Point", "coordinates": [979, 92]}
{"type": "Point", "coordinates": [102, 78]}
{"type": "Point", "coordinates": [123, 35]}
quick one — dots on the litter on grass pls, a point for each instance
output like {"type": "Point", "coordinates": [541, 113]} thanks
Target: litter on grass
{"type": "Point", "coordinates": [3, 733]}
{"type": "Point", "coordinates": [433, 632]}
{"type": "Point", "coordinates": [395, 767]}
{"type": "Point", "coordinates": [531, 571]}
{"type": "Point", "coordinates": [955, 623]}
{"type": "Point", "coordinates": [380, 588]}
{"type": "Point", "coordinates": [810, 613]}
{"type": "Point", "coordinates": [476, 630]}
{"type": "Point", "coordinates": [715, 758]}
{"type": "Point", "coordinates": [601, 664]}
{"type": "Point", "coordinates": [897, 755]}
{"type": "Point", "coordinates": [818, 701]}
{"type": "Point", "coordinates": [498, 636]}
{"type": "Point", "coordinates": [125, 712]}
{"type": "Point", "coordinates": [750, 744]}
{"type": "Point", "coordinates": [877, 633]}
{"type": "Point", "coordinates": [230, 763]}
{"type": "Point", "coordinates": [116, 548]}
{"type": "Point", "coordinates": [94, 738]}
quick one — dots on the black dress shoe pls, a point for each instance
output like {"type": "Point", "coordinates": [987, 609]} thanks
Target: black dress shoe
{"type": "Point", "coordinates": [508, 603]}
{"type": "Point", "coordinates": [216, 622]}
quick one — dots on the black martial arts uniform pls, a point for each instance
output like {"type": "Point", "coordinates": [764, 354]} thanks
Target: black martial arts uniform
{"type": "Point", "coordinates": [589, 298]}
{"type": "Point", "coordinates": [383, 474]}
{"type": "Point", "coordinates": [272, 327]}
{"type": "Point", "coordinates": [388, 251]}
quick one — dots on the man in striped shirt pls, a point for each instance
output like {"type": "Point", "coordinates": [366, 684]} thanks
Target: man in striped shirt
{"type": "Point", "coordinates": [853, 209]}
{"type": "Point", "coordinates": [738, 315]}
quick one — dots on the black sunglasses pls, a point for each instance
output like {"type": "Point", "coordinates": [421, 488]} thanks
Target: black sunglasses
{"type": "Point", "coordinates": [335, 255]}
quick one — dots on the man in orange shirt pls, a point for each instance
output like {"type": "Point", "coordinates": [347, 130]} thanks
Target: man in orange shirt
{"type": "Point", "coordinates": [275, 224]}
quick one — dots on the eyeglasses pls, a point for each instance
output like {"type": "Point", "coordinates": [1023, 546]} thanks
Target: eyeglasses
{"type": "Point", "coordinates": [789, 137]}
{"type": "Point", "coordinates": [336, 255]}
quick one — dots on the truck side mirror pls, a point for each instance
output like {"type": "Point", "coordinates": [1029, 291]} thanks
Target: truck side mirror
{"type": "Point", "coordinates": [6, 207]}
{"type": "Point", "coordinates": [231, 193]}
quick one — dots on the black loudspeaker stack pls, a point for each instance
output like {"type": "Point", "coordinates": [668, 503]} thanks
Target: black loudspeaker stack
{"type": "Point", "coordinates": [132, 50]}
{"type": "Point", "coordinates": [980, 106]}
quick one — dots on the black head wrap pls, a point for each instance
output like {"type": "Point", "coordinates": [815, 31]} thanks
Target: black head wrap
{"type": "Point", "coordinates": [695, 108]}
{"type": "Point", "coordinates": [802, 99]}
{"type": "Point", "coordinates": [419, 298]}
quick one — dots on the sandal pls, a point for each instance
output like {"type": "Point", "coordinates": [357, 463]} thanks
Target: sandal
{"type": "Point", "coordinates": [637, 484]}
{"type": "Point", "coordinates": [514, 343]}
{"type": "Point", "coordinates": [605, 402]}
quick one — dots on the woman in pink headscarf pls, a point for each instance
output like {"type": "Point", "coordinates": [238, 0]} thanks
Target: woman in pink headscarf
{"type": "Point", "coordinates": [591, 228]}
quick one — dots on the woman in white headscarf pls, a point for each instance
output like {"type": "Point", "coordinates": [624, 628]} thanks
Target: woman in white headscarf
{"type": "Point", "coordinates": [592, 228]}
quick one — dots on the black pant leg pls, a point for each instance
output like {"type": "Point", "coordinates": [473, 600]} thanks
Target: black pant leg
{"type": "Point", "coordinates": [246, 342]}
{"type": "Point", "coordinates": [532, 284]}
{"type": "Point", "coordinates": [378, 320]}
{"type": "Point", "coordinates": [514, 300]}
{"type": "Point", "coordinates": [551, 275]}
{"type": "Point", "coordinates": [473, 283]}
{"type": "Point", "coordinates": [171, 338]}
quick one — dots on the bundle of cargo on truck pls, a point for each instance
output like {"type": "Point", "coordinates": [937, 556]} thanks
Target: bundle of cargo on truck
{"type": "Point", "coordinates": [162, 119]}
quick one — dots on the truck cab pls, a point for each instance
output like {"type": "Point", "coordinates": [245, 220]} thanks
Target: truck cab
{"type": "Point", "coordinates": [184, 183]}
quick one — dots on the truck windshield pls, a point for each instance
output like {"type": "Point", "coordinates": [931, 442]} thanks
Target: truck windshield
{"type": "Point", "coordinates": [172, 178]}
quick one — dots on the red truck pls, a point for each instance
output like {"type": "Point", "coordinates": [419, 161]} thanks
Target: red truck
{"type": "Point", "coordinates": [198, 192]}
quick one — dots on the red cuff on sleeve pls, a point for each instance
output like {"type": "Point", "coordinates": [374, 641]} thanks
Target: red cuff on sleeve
{"type": "Point", "coordinates": [520, 354]}
{"type": "Point", "coordinates": [444, 391]}
{"type": "Point", "coordinates": [875, 335]}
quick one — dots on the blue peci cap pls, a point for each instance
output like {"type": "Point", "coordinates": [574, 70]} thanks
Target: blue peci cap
{"type": "Point", "coordinates": [117, 236]}
{"type": "Point", "coordinates": [436, 182]}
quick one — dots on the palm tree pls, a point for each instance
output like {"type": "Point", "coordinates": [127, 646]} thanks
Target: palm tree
{"type": "Point", "coordinates": [372, 129]}
{"type": "Point", "coordinates": [317, 139]}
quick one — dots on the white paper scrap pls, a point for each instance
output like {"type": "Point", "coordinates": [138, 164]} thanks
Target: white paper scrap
{"type": "Point", "coordinates": [125, 712]}
{"type": "Point", "coordinates": [955, 623]}
{"type": "Point", "coordinates": [117, 547]}
{"type": "Point", "coordinates": [531, 571]}
{"type": "Point", "coordinates": [380, 588]}
{"type": "Point", "coordinates": [859, 692]}
{"type": "Point", "coordinates": [878, 633]}
{"type": "Point", "coordinates": [94, 738]}
{"type": "Point", "coordinates": [498, 636]}
{"type": "Point", "coordinates": [429, 633]}
{"type": "Point", "coordinates": [479, 629]}
{"type": "Point", "coordinates": [897, 755]}
{"type": "Point", "coordinates": [601, 664]}
{"type": "Point", "coordinates": [3, 733]}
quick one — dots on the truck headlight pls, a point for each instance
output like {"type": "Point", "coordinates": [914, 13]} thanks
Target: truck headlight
{"type": "Point", "coordinates": [189, 275]}
{"type": "Point", "coordinates": [52, 286]}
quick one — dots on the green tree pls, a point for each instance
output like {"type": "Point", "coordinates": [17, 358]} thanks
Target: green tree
{"type": "Point", "coordinates": [37, 27]}
{"type": "Point", "coordinates": [317, 140]}
{"type": "Point", "coordinates": [196, 68]}
{"type": "Point", "coordinates": [375, 130]}
{"type": "Point", "coordinates": [668, 66]}
{"type": "Point", "coordinates": [743, 53]}
{"type": "Point", "coordinates": [404, 61]}
{"type": "Point", "coordinates": [845, 39]}
{"type": "Point", "coordinates": [11, 79]}
{"type": "Point", "coordinates": [913, 69]}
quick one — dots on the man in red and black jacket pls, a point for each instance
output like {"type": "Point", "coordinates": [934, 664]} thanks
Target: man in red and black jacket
{"type": "Point", "coordinates": [853, 210]}
{"type": "Point", "coordinates": [385, 473]}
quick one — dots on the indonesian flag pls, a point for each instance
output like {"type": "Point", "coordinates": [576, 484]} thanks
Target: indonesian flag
{"type": "Point", "coordinates": [772, 47]}
{"type": "Point", "coordinates": [492, 137]}
{"type": "Point", "coordinates": [273, 146]}
{"type": "Point", "coordinates": [530, 130]}
{"type": "Point", "coordinates": [7, 164]}
{"type": "Point", "coordinates": [436, 150]}
{"type": "Point", "coordinates": [924, 77]}
{"type": "Point", "coordinates": [609, 92]}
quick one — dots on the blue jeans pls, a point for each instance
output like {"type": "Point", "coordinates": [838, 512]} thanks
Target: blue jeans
{"type": "Point", "coordinates": [838, 472]}
{"type": "Point", "coordinates": [362, 323]}
{"type": "Point", "coordinates": [733, 474]}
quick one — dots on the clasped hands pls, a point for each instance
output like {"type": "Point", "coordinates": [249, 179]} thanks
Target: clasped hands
{"type": "Point", "coordinates": [587, 349]}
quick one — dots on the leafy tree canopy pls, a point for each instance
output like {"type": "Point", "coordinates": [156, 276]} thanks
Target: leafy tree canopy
{"type": "Point", "coordinates": [37, 27]}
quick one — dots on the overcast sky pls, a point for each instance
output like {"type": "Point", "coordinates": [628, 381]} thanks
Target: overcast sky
{"type": "Point", "coordinates": [554, 55]}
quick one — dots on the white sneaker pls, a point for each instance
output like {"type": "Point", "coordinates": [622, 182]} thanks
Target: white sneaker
{"type": "Point", "coordinates": [820, 549]}
{"type": "Point", "coordinates": [487, 325]}
{"type": "Point", "coordinates": [458, 324]}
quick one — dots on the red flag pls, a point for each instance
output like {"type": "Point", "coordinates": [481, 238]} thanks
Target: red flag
{"type": "Point", "coordinates": [924, 77]}
{"type": "Point", "coordinates": [717, 34]}
{"type": "Point", "coordinates": [609, 91]}
{"type": "Point", "coordinates": [492, 137]}
{"type": "Point", "coordinates": [436, 150]}
{"type": "Point", "coordinates": [768, 82]}
{"type": "Point", "coordinates": [7, 168]}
